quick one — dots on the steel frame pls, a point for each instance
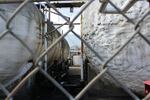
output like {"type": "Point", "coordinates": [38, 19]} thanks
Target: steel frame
{"type": "Point", "coordinates": [104, 64]}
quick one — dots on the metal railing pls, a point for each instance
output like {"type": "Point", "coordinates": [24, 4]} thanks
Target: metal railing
{"type": "Point", "coordinates": [104, 66]}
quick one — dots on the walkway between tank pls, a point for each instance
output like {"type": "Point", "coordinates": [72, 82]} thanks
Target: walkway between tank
{"type": "Point", "coordinates": [104, 64]}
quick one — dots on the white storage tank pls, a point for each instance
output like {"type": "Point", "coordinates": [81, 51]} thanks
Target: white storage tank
{"type": "Point", "coordinates": [78, 62]}
{"type": "Point", "coordinates": [27, 26]}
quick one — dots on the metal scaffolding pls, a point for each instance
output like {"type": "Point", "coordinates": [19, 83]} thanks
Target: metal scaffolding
{"type": "Point", "coordinates": [104, 66]}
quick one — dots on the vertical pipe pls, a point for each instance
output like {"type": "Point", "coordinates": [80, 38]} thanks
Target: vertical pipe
{"type": "Point", "coordinates": [82, 46]}
{"type": "Point", "coordinates": [44, 27]}
{"type": "Point", "coordinates": [50, 14]}
{"type": "Point", "coordinates": [82, 72]}
{"type": "Point", "coordinates": [62, 47]}
{"type": "Point", "coordinates": [82, 67]}
{"type": "Point", "coordinates": [45, 46]}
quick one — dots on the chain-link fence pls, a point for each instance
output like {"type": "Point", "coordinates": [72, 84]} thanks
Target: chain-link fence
{"type": "Point", "coordinates": [104, 66]}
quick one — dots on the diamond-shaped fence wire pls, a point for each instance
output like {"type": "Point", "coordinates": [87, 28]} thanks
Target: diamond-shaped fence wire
{"type": "Point", "coordinates": [104, 66]}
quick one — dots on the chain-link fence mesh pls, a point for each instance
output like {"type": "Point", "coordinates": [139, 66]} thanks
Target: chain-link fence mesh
{"type": "Point", "coordinates": [104, 66]}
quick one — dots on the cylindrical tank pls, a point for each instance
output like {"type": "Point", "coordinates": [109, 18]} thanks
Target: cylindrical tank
{"type": "Point", "coordinates": [27, 26]}
{"type": "Point", "coordinates": [111, 31]}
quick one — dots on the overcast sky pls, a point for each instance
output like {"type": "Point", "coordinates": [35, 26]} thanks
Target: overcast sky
{"type": "Point", "coordinates": [72, 40]}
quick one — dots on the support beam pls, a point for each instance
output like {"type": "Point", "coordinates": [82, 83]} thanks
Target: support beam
{"type": "Point", "coordinates": [71, 4]}
{"type": "Point", "coordinates": [66, 24]}
{"type": "Point", "coordinates": [63, 5]}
